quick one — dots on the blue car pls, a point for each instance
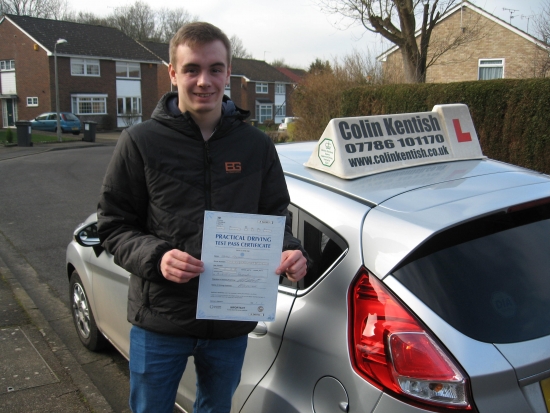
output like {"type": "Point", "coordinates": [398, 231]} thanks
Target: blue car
{"type": "Point", "coordinates": [48, 122]}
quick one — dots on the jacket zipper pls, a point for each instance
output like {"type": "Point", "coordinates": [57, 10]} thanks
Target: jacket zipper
{"type": "Point", "coordinates": [207, 176]}
{"type": "Point", "coordinates": [208, 205]}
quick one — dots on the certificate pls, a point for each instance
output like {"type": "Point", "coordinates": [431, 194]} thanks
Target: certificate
{"type": "Point", "coordinates": [240, 253]}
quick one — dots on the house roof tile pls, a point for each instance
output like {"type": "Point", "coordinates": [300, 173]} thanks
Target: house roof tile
{"type": "Point", "coordinates": [257, 70]}
{"type": "Point", "coordinates": [161, 50]}
{"type": "Point", "coordinates": [295, 74]}
{"type": "Point", "coordinates": [82, 39]}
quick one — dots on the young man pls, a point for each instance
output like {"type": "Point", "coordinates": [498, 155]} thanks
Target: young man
{"type": "Point", "coordinates": [164, 174]}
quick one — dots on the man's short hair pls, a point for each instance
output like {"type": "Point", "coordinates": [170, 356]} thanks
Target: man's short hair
{"type": "Point", "coordinates": [198, 33]}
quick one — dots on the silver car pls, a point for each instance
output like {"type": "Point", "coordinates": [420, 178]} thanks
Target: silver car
{"type": "Point", "coordinates": [429, 291]}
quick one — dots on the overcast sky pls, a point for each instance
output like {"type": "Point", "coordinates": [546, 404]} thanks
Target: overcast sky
{"type": "Point", "coordinates": [297, 30]}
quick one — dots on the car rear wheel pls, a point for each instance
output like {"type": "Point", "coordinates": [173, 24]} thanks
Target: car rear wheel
{"type": "Point", "coordinates": [83, 318]}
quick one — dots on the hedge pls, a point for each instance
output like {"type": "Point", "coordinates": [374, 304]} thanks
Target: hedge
{"type": "Point", "coordinates": [512, 117]}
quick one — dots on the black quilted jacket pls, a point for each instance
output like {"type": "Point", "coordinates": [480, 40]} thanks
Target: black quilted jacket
{"type": "Point", "coordinates": [161, 179]}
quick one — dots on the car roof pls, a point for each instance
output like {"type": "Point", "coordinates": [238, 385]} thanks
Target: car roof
{"type": "Point", "coordinates": [375, 189]}
{"type": "Point", "coordinates": [414, 203]}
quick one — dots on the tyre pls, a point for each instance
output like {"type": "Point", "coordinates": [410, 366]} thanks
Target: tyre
{"type": "Point", "coordinates": [83, 318]}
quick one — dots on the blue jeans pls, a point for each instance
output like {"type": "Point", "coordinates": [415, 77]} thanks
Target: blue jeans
{"type": "Point", "coordinates": [157, 362]}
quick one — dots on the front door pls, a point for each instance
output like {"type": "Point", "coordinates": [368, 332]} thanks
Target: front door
{"type": "Point", "coordinates": [10, 120]}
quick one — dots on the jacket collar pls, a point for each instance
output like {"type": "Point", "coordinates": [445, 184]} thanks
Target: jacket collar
{"type": "Point", "coordinates": [168, 113]}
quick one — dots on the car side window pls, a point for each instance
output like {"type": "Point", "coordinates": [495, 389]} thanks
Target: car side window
{"type": "Point", "coordinates": [323, 246]}
{"type": "Point", "coordinates": [53, 116]}
{"type": "Point", "coordinates": [42, 117]}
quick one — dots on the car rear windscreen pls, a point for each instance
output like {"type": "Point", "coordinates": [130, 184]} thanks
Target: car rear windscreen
{"type": "Point", "coordinates": [70, 117]}
{"type": "Point", "coordinates": [488, 278]}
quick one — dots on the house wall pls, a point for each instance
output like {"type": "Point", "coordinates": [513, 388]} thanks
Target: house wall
{"type": "Point", "coordinates": [523, 59]}
{"type": "Point", "coordinates": [150, 93]}
{"type": "Point", "coordinates": [69, 85]}
{"type": "Point", "coordinates": [237, 91]}
{"type": "Point", "coordinates": [164, 84]}
{"type": "Point", "coordinates": [31, 71]}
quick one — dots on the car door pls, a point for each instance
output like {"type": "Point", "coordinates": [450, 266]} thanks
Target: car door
{"type": "Point", "coordinates": [51, 122]}
{"type": "Point", "coordinates": [40, 123]}
{"type": "Point", "coordinates": [110, 292]}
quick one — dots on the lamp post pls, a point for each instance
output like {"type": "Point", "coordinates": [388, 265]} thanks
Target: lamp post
{"type": "Point", "coordinates": [59, 41]}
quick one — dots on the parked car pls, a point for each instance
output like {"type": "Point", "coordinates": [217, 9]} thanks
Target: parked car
{"type": "Point", "coordinates": [48, 122]}
{"type": "Point", "coordinates": [429, 288]}
{"type": "Point", "coordinates": [283, 126]}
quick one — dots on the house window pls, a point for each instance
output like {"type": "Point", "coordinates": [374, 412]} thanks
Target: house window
{"type": "Point", "coordinates": [129, 106]}
{"type": "Point", "coordinates": [84, 67]}
{"type": "Point", "coordinates": [264, 112]}
{"type": "Point", "coordinates": [261, 87]}
{"type": "Point", "coordinates": [281, 110]}
{"type": "Point", "coordinates": [280, 88]}
{"type": "Point", "coordinates": [33, 101]}
{"type": "Point", "coordinates": [128, 70]}
{"type": "Point", "coordinates": [491, 69]}
{"type": "Point", "coordinates": [89, 104]}
{"type": "Point", "coordinates": [6, 65]}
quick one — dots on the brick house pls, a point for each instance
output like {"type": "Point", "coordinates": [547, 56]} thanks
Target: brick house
{"type": "Point", "coordinates": [104, 75]}
{"type": "Point", "coordinates": [499, 50]}
{"type": "Point", "coordinates": [255, 85]}
{"type": "Point", "coordinates": [262, 89]}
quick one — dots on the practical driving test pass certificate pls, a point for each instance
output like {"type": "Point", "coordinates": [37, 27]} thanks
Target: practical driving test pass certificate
{"type": "Point", "coordinates": [240, 253]}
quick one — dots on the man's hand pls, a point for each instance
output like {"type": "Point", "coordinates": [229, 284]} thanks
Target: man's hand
{"type": "Point", "coordinates": [180, 267]}
{"type": "Point", "coordinates": [294, 264]}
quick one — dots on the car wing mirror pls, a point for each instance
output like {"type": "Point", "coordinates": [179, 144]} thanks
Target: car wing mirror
{"type": "Point", "coordinates": [86, 235]}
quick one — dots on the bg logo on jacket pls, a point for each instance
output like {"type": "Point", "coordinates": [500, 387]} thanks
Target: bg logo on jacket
{"type": "Point", "coordinates": [233, 167]}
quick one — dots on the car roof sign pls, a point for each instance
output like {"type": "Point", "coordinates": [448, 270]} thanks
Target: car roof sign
{"type": "Point", "coordinates": [360, 146]}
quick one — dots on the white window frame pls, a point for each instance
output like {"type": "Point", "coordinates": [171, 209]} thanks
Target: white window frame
{"type": "Point", "coordinates": [490, 63]}
{"type": "Point", "coordinates": [7, 65]}
{"type": "Point", "coordinates": [135, 104]}
{"type": "Point", "coordinates": [32, 101]}
{"type": "Point", "coordinates": [280, 88]}
{"type": "Point", "coordinates": [280, 110]}
{"type": "Point", "coordinates": [262, 87]}
{"type": "Point", "coordinates": [78, 99]}
{"type": "Point", "coordinates": [259, 107]}
{"type": "Point", "coordinates": [87, 67]}
{"type": "Point", "coordinates": [134, 65]}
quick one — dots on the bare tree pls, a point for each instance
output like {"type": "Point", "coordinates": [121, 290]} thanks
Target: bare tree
{"type": "Point", "coordinates": [398, 21]}
{"type": "Point", "coordinates": [86, 18]}
{"type": "Point", "coordinates": [542, 30]}
{"type": "Point", "coordinates": [279, 63]}
{"type": "Point", "coordinates": [136, 21]}
{"type": "Point", "coordinates": [170, 20]}
{"type": "Point", "coordinates": [237, 48]}
{"type": "Point", "coordinates": [48, 9]}
{"type": "Point", "coordinates": [542, 22]}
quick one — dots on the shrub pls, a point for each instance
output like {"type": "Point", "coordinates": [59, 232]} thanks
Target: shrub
{"type": "Point", "coordinates": [9, 135]}
{"type": "Point", "coordinates": [510, 115]}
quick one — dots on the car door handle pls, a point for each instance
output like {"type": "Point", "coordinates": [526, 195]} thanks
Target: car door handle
{"type": "Point", "coordinates": [261, 329]}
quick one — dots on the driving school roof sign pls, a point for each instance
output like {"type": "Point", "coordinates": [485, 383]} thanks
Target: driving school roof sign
{"type": "Point", "coordinates": [354, 147]}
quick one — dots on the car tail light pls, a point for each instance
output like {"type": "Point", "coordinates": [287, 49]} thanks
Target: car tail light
{"type": "Point", "coordinates": [392, 350]}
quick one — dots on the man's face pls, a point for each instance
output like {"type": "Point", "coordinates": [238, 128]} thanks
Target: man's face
{"type": "Point", "coordinates": [200, 75]}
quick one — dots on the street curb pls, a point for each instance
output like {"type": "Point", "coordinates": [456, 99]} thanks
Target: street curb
{"type": "Point", "coordinates": [38, 149]}
{"type": "Point", "coordinates": [93, 397]}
